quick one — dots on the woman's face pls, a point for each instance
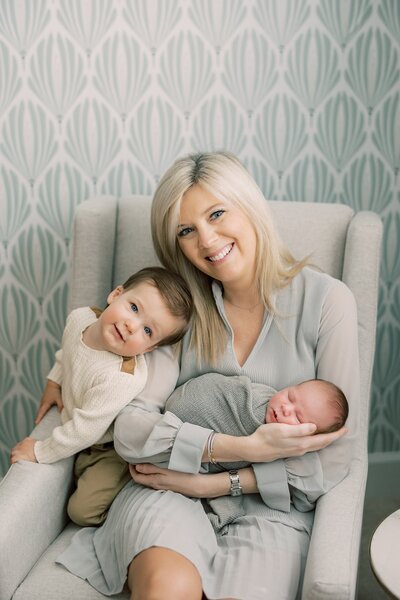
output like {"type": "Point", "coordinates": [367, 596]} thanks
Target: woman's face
{"type": "Point", "coordinates": [218, 238]}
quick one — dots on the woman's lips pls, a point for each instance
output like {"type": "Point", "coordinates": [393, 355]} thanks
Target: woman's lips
{"type": "Point", "coordinates": [221, 254]}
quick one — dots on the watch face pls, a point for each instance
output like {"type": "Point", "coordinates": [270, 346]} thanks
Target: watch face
{"type": "Point", "coordinates": [236, 488]}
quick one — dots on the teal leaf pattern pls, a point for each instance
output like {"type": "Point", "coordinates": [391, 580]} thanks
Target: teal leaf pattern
{"type": "Point", "coordinates": [313, 69]}
{"type": "Point", "coordinates": [280, 132]}
{"type": "Point", "coordinates": [155, 136]}
{"type": "Point", "coordinates": [22, 22]}
{"type": "Point", "coordinates": [152, 21]}
{"type": "Point", "coordinates": [87, 21]}
{"type": "Point", "coordinates": [28, 140]}
{"type": "Point", "coordinates": [386, 369]}
{"type": "Point", "coordinates": [61, 191]}
{"type": "Point", "coordinates": [386, 132]}
{"type": "Point", "coordinates": [17, 420]}
{"type": "Point", "coordinates": [57, 76]}
{"type": "Point", "coordinates": [35, 366]}
{"type": "Point", "coordinates": [281, 20]}
{"type": "Point", "coordinates": [310, 181]}
{"type": "Point", "coordinates": [264, 179]}
{"type": "Point", "coordinates": [218, 126]}
{"type": "Point", "coordinates": [122, 73]}
{"type": "Point", "coordinates": [344, 19]}
{"type": "Point", "coordinates": [14, 207]}
{"type": "Point", "coordinates": [373, 68]}
{"type": "Point", "coordinates": [7, 376]}
{"type": "Point", "coordinates": [367, 185]}
{"type": "Point", "coordinates": [92, 138]}
{"type": "Point", "coordinates": [186, 72]}
{"type": "Point", "coordinates": [250, 70]}
{"type": "Point", "coordinates": [391, 411]}
{"type": "Point", "coordinates": [340, 130]}
{"type": "Point", "coordinates": [10, 85]}
{"type": "Point", "coordinates": [113, 181]}
{"type": "Point", "coordinates": [38, 261]}
{"type": "Point", "coordinates": [389, 12]}
{"type": "Point", "coordinates": [395, 306]}
{"type": "Point", "coordinates": [217, 20]}
{"type": "Point", "coordinates": [56, 312]}
{"type": "Point", "coordinates": [390, 268]}
{"type": "Point", "coordinates": [139, 182]}
{"type": "Point", "coordinates": [19, 320]}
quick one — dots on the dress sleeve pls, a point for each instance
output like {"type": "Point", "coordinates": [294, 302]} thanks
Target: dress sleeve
{"type": "Point", "coordinates": [143, 433]}
{"type": "Point", "coordinates": [302, 480]}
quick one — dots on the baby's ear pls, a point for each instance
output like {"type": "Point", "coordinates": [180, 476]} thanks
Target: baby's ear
{"type": "Point", "coordinates": [114, 294]}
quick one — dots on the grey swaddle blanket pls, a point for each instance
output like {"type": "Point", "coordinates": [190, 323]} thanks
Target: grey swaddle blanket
{"type": "Point", "coordinates": [232, 405]}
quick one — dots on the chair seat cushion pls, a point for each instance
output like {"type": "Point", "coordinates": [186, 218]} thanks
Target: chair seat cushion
{"type": "Point", "coordinates": [47, 580]}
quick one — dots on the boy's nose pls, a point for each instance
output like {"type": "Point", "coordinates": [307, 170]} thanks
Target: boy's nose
{"type": "Point", "coordinates": [287, 410]}
{"type": "Point", "coordinates": [131, 325]}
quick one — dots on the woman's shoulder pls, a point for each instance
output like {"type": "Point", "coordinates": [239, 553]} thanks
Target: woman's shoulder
{"type": "Point", "coordinates": [331, 292]}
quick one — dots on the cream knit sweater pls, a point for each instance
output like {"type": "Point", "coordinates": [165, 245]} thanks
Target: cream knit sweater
{"type": "Point", "coordinates": [94, 390]}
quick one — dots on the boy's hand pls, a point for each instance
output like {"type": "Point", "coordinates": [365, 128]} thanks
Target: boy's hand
{"type": "Point", "coordinates": [51, 395]}
{"type": "Point", "coordinates": [24, 451]}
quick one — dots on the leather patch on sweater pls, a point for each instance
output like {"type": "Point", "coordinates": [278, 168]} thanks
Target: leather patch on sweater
{"type": "Point", "coordinates": [128, 362]}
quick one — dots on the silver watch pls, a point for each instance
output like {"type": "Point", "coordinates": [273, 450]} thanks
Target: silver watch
{"type": "Point", "coordinates": [236, 488]}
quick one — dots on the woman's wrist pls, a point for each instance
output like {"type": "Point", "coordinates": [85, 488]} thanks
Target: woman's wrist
{"type": "Point", "coordinates": [229, 448]}
{"type": "Point", "coordinates": [219, 484]}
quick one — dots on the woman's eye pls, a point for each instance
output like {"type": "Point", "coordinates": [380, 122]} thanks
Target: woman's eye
{"type": "Point", "coordinates": [216, 214]}
{"type": "Point", "coordinates": [147, 330]}
{"type": "Point", "coordinates": [184, 232]}
{"type": "Point", "coordinates": [134, 307]}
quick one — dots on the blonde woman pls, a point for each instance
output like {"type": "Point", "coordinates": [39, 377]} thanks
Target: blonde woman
{"type": "Point", "coordinates": [258, 312]}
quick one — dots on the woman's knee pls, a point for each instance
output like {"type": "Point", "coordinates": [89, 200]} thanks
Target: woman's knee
{"type": "Point", "coordinates": [162, 574]}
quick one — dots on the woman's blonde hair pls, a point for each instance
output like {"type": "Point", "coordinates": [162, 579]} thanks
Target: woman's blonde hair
{"type": "Point", "coordinates": [222, 175]}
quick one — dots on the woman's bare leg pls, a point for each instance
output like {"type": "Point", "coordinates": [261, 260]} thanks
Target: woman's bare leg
{"type": "Point", "coordinates": [162, 574]}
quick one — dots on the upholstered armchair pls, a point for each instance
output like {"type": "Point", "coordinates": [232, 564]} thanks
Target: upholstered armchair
{"type": "Point", "coordinates": [111, 240]}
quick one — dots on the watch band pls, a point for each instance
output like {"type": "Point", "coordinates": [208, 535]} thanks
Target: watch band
{"type": "Point", "coordinates": [236, 488]}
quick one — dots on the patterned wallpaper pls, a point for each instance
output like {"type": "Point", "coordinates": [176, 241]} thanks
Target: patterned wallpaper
{"type": "Point", "coordinates": [100, 96]}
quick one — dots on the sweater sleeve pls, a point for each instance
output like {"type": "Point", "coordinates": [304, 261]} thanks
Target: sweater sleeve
{"type": "Point", "coordinates": [56, 371]}
{"type": "Point", "coordinates": [302, 480]}
{"type": "Point", "coordinates": [99, 407]}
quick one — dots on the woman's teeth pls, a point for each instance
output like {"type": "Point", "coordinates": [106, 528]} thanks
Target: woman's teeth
{"type": "Point", "coordinates": [222, 254]}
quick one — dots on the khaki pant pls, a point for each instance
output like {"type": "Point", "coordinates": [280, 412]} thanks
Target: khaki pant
{"type": "Point", "coordinates": [100, 473]}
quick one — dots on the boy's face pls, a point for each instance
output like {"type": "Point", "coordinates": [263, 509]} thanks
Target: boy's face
{"type": "Point", "coordinates": [136, 320]}
{"type": "Point", "coordinates": [303, 403]}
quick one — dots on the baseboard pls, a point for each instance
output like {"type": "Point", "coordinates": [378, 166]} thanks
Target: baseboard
{"type": "Point", "coordinates": [384, 475]}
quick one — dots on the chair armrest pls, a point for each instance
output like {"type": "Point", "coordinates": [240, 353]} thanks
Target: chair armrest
{"type": "Point", "coordinates": [32, 511]}
{"type": "Point", "coordinates": [332, 561]}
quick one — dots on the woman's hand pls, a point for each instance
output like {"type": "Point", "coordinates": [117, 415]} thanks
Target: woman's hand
{"type": "Point", "coordinates": [51, 395]}
{"type": "Point", "coordinates": [278, 440]}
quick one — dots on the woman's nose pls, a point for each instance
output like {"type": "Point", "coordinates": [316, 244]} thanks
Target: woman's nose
{"type": "Point", "coordinates": [207, 236]}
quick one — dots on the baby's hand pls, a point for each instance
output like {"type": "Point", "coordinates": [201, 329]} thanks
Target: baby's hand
{"type": "Point", "coordinates": [24, 451]}
{"type": "Point", "coordinates": [51, 396]}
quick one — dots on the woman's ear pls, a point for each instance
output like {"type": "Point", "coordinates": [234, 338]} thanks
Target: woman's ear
{"type": "Point", "coordinates": [114, 294]}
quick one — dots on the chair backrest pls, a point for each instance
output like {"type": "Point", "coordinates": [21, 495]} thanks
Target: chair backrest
{"type": "Point", "coordinates": [112, 239]}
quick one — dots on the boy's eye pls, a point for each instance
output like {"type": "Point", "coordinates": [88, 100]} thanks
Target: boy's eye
{"type": "Point", "coordinates": [134, 307]}
{"type": "Point", "coordinates": [147, 330]}
{"type": "Point", "coordinates": [217, 213]}
{"type": "Point", "coordinates": [184, 232]}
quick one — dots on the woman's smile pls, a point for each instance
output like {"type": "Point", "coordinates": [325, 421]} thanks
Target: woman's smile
{"type": "Point", "coordinates": [221, 254]}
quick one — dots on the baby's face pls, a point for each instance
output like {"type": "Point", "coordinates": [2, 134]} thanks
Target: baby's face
{"type": "Point", "coordinates": [303, 403]}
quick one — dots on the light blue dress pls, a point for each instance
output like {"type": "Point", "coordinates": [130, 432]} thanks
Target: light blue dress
{"type": "Point", "coordinates": [262, 554]}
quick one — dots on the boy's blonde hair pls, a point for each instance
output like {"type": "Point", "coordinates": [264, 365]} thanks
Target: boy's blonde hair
{"type": "Point", "coordinates": [221, 174]}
